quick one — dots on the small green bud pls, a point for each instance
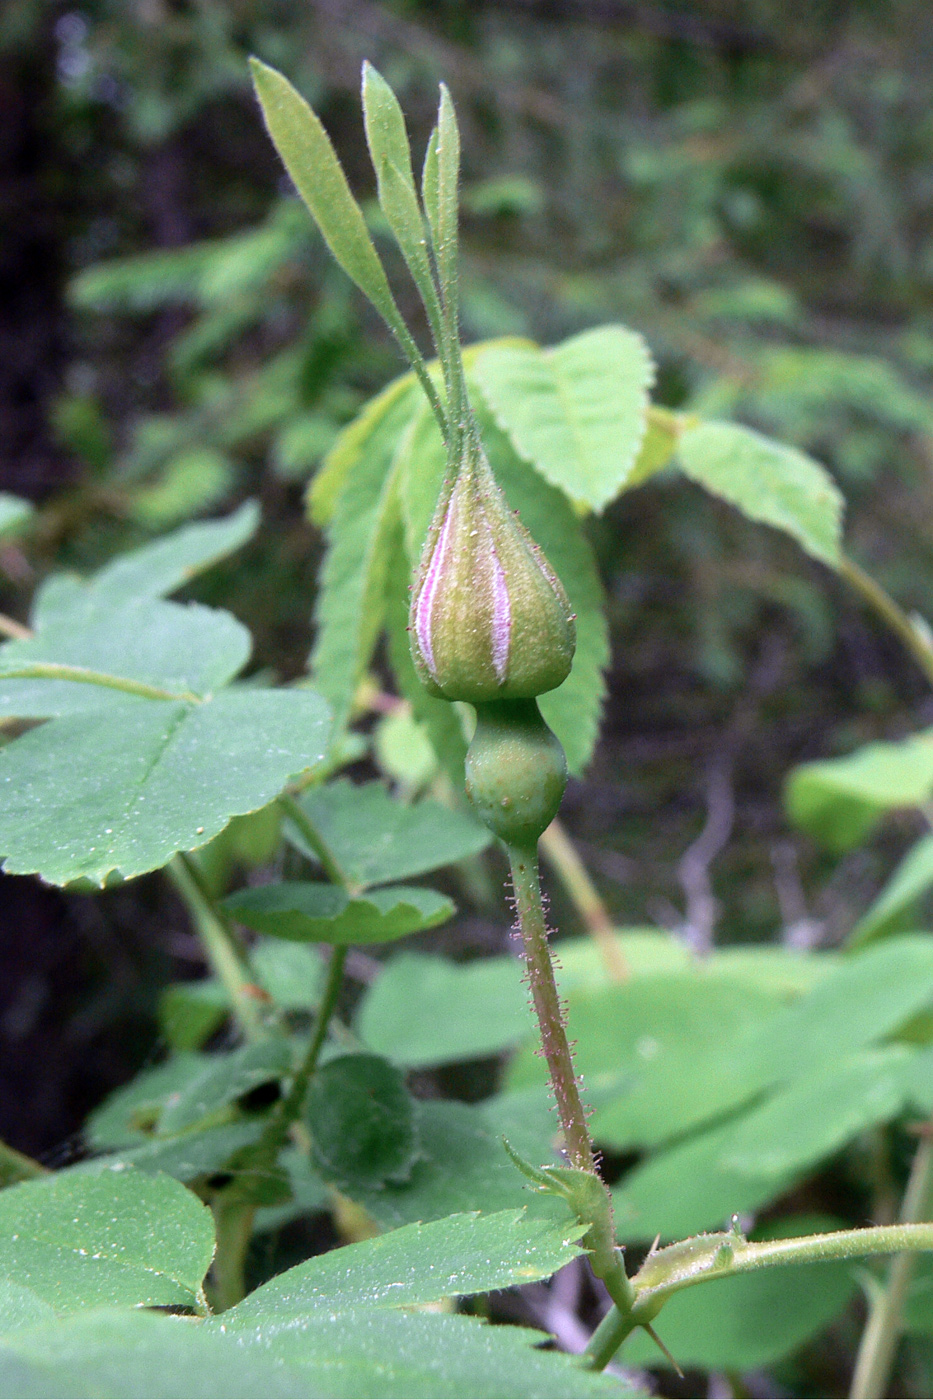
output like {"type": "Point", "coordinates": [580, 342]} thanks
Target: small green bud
{"type": "Point", "coordinates": [516, 771]}
{"type": "Point", "coordinates": [489, 618]}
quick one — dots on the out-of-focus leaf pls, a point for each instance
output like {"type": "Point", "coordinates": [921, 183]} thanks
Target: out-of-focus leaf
{"type": "Point", "coordinates": [839, 800]}
{"type": "Point", "coordinates": [322, 913]}
{"type": "Point", "coordinates": [362, 1122]}
{"type": "Point", "coordinates": [768, 482]}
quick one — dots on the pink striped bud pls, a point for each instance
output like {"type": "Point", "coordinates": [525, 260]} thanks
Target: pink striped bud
{"type": "Point", "coordinates": [489, 618]}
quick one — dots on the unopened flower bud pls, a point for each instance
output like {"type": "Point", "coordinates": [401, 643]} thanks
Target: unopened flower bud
{"type": "Point", "coordinates": [489, 618]}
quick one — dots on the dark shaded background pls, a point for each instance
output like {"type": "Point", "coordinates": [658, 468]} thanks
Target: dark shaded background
{"type": "Point", "coordinates": [747, 184]}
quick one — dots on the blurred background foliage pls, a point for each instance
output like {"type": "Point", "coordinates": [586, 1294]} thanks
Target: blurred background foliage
{"type": "Point", "coordinates": [748, 185]}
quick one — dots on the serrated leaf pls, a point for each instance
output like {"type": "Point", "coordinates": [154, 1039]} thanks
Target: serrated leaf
{"type": "Point", "coordinates": [81, 1241]}
{"type": "Point", "coordinates": [418, 1264]}
{"type": "Point", "coordinates": [351, 600]}
{"type": "Point", "coordinates": [126, 788]}
{"type": "Point", "coordinates": [176, 647]}
{"type": "Point", "coordinates": [658, 446]}
{"type": "Point", "coordinates": [912, 879]}
{"type": "Point", "coordinates": [840, 800]}
{"type": "Point", "coordinates": [362, 1122]}
{"type": "Point", "coordinates": [321, 913]}
{"type": "Point", "coordinates": [309, 158]}
{"type": "Point", "coordinates": [15, 514]}
{"type": "Point", "coordinates": [768, 482]}
{"type": "Point", "coordinates": [463, 1011]}
{"type": "Point", "coordinates": [375, 839]}
{"type": "Point", "coordinates": [577, 412]}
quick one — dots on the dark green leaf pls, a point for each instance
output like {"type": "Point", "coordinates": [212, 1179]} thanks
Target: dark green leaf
{"type": "Point", "coordinates": [224, 1078]}
{"type": "Point", "coordinates": [362, 1121]}
{"type": "Point", "coordinates": [326, 914]}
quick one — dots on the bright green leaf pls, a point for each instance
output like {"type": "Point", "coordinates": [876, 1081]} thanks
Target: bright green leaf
{"type": "Point", "coordinates": [839, 800]}
{"type": "Point", "coordinates": [768, 482]}
{"type": "Point", "coordinates": [577, 412]}
{"type": "Point", "coordinates": [912, 879]}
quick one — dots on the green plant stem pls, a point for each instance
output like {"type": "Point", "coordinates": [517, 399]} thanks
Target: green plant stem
{"type": "Point", "coordinates": [234, 1226]}
{"type": "Point", "coordinates": [574, 876]}
{"type": "Point", "coordinates": [52, 671]}
{"type": "Point", "coordinates": [299, 817]}
{"type": "Point", "coordinates": [879, 1340]}
{"type": "Point", "coordinates": [220, 945]}
{"type": "Point", "coordinates": [891, 614]}
{"type": "Point", "coordinates": [533, 928]}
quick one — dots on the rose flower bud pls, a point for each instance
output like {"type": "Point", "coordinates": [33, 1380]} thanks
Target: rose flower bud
{"type": "Point", "coordinates": [489, 618]}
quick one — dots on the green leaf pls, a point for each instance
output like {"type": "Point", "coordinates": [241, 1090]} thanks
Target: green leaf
{"type": "Point", "coordinates": [768, 482]}
{"type": "Point", "coordinates": [129, 1115]}
{"type": "Point", "coordinates": [21, 1307]}
{"type": "Point", "coordinates": [291, 973]}
{"type": "Point", "coordinates": [173, 561]}
{"type": "Point", "coordinates": [15, 514]}
{"type": "Point", "coordinates": [423, 1010]}
{"type": "Point", "coordinates": [840, 800]}
{"type": "Point", "coordinates": [484, 1179]}
{"type": "Point", "coordinates": [326, 914]}
{"type": "Point", "coordinates": [912, 878]}
{"type": "Point", "coordinates": [362, 1122]}
{"type": "Point", "coordinates": [374, 432]}
{"type": "Point", "coordinates": [187, 1156]}
{"type": "Point", "coordinates": [577, 412]}
{"type": "Point", "coordinates": [819, 1113]}
{"type": "Point", "coordinates": [81, 1241]}
{"type": "Point", "coordinates": [178, 648]}
{"type": "Point", "coordinates": [750, 1320]}
{"type": "Point", "coordinates": [309, 158]}
{"type": "Point", "coordinates": [125, 789]}
{"type": "Point", "coordinates": [351, 599]}
{"type": "Point", "coordinates": [222, 1079]}
{"type": "Point", "coordinates": [440, 189]}
{"type": "Point", "coordinates": [139, 1354]}
{"type": "Point", "coordinates": [190, 1012]}
{"type": "Point", "coordinates": [418, 1264]}
{"type": "Point", "coordinates": [391, 156]}
{"type": "Point", "coordinates": [420, 1356]}
{"type": "Point", "coordinates": [647, 1036]}
{"type": "Point", "coordinates": [375, 839]}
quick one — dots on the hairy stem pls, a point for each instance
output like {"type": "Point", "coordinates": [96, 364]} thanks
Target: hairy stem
{"type": "Point", "coordinates": [533, 928]}
{"type": "Point", "coordinates": [879, 1340]}
{"type": "Point", "coordinates": [574, 876]}
{"type": "Point", "coordinates": [220, 944]}
{"type": "Point", "coordinates": [891, 614]}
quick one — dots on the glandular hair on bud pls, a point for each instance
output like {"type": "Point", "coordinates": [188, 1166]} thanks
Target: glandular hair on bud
{"type": "Point", "coordinates": [489, 617]}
